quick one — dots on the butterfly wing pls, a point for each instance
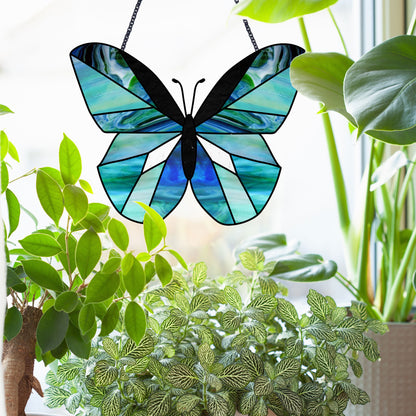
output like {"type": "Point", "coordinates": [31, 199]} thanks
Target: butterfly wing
{"type": "Point", "coordinates": [126, 97]}
{"type": "Point", "coordinates": [252, 98]}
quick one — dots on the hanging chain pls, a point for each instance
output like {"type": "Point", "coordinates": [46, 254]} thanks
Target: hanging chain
{"type": "Point", "coordinates": [136, 10]}
{"type": "Point", "coordinates": [250, 33]}
{"type": "Point", "coordinates": [129, 29]}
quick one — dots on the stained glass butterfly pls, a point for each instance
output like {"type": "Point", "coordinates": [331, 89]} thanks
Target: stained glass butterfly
{"type": "Point", "coordinates": [125, 97]}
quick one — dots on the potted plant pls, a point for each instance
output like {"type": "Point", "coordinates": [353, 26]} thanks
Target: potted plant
{"type": "Point", "coordinates": [376, 97]}
{"type": "Point", "coordinates": [217, 346]}
{"type": "Point", "coordinates": [65, 276]}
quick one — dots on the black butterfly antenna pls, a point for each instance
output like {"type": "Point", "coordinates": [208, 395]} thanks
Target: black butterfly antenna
{"type": "Point", "coordinates": [183, 95]}
{"type": "Point", "coordinates": [193, 96]}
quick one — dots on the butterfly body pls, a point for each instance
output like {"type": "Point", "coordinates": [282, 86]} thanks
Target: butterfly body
{"type": "Point", "coordinates": [126, 97]}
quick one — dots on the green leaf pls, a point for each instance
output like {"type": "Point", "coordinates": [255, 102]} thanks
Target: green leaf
{"type": "Point", "coordinates": [294, 347]}
{"type": "Point", "coordinates": [40, 244]}
{"type": "Point", "coordinates": [110, 320]}
{"type": "Point", "coordinates": [4, 110]}
{"type": "Point", "coordinates": [388, 169]}
{"type": "Point", "coordinates": [77, 344]}
{"type": "Point", "coordinates": [159, 404]}
{"type": "Point", "coordinates": [179, 258]}
{"type": "Point", "coordinates": [217, 405]}
{"type": "Point", "coordinates": [13, 209]}
{"type": "Point", "coordinates": [304, 268]}
{"type": "Point", "coordinates": [86, 318]}
{"type": "Point", "coordinates": [385, 113]}
{"type": "Point", "coordinates": [43, 274]}
{"type": "Point", "coordinates": [138, 351]}
{"type": "Point", "coordinates": [252, 362]}
{"type": "Point", "coordinates": [311, 391]}
{"type": "Point", "coordinates": [322, 332]}
{"type": "Point", "coordinates": [73, 402]}
{"type": "Point", "coordinates": [233, 297]}
{"type": "Point", "coordinates": [271, 11]}
{"type": "Point", "coordinates": [320, 76]}
{"type": "Point", "coordinates": [4, 176]}
{"type": "Point", "coordinates": [137, 389]}
{"type": "Point", "coordinates": [13, 281]}
{"type": "Point", "coordinates": [266, 303]}
{"type": "Point", "coordinates": [187, 402]}
{"type": "Point", "coordinates": [50, 195]}
{"type": "Point", "coordinates": [102, 287]}
{"type": "Point", "coordinates": [70, 370]}
{"type": "Point", "coordinates": [69, 161]}
{"type": "Point", "coordinates": [325, 362]}
{"type": "Point", "coordinates": [110, 347]}
{"type": "Point", "coordinates": [370, 349]}
{"type": "Point", "coordinates": [118, 233]}
{"type": "Point", "coordinates": [236, 376]}
{"type": "Point", "coordinates": [230, 321]}
{"type": "Point", "coordinates": [319, 305]}
{"type": "Point", "coordinates": [350, 330]}
{"type": "Point", "coordinates": [352, 391]}
{"type": "Point", "coordinates": [378, 327]}
{"type": "Point", "coordinates": [71, 244]}
{"type": "Point", "coordinates": [206, 356]}
{"type": "Point", "coordinates": [181, 377]}
{"type": "Point", "coordinates": [149, 271]}
{"type": "Point", "coordinates": [85, 186]}
{"type": "Point", "coordinates": [287, 368]}
{"type": "Point", "coordinates": [287, 312]}
{"type": "Point", "coordinates": [200, 302]}
{"type": "Point", "coordinates": [163, 269]}
{"type": "Point", "coordinates": [139, 366]}
{"type": "Point", "coordinates": [252, 259]}
{"type": "Point", "coordinates": [248, 400]}
{"type": "Point", "coordinates": [182, 302]}
{"type": "Point", "coordinates": [359, 310]}
{"type": "Point", "coordinates": [111, 265]}
{"type": "Point", "coordinates": [338, 315]}
{"type": "Point", "coordinates": [291, 401]}
{"type": "Point", "coordinates": [66, 301]}
{"type": "Point", "coordinates": [4, 145]}
{"type": "Point", "coordinates": [56, 396]}
{"type": "Point", "coordinates": [199, 274]}
{"type": "Point", "coordinates": [76, 202]}
{"type": "Point", "coordinates": [156, 218]}
{"type": "Point", "coordinates": [88, 252]}
{"type": "Point", "coordinates": [51, 329]}
{"type": "Point", "coordinates": [152, 234]}
{"type": "Point", "coordinates": [263, 386]}
{"type": "Point", "coordinates": [133, 275]}
{"type": "Point", "coordinates": [111, 404]}
{"type": "Point", "coordinates": [135, 321]}
{"type": "Point", "coordinates": [356, 367]}
{"type": "Point", "coordinates": [12, 323]}
{"type": "Point", "coordinates": [54, 174]}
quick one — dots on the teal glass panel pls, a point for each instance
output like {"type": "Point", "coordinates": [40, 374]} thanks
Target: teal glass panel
{"type": "Point", "coordinates": [251, 146]}
{"type": "Point", "coordinates": [274, 96]}
{"type": "Point", "coordinates": [126, 145]}
{"type": "Point", "coordinates": [119, 179]}
{"type": "Point", "coordinates": [238, 200]}
{"type": "Point", "coordinates": [259, 179]}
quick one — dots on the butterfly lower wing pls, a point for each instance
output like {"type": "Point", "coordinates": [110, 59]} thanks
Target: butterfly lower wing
{"type": "Point", "coordinates": [254, 96]}
{"type": "Point", "coordinates": [121, 93]}
{"type": "Point", "coordinates": [125, 180]}
{"type": "Point", "coordinates": [238, 195]}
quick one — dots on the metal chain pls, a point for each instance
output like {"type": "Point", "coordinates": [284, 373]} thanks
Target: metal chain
{"type": "Point", "coordinates": [136, 10]}
{"type": "Point", "coordinates": [129, 29]}
{"type": "Point", "coordinates": [250, 33]}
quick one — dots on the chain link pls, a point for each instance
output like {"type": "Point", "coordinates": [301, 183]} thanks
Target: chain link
{"type": "Point", "coordinates": [249, 32]}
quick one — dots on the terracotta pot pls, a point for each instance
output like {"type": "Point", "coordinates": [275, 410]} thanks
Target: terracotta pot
{"type": "Point", "coordinates": [390, 382]}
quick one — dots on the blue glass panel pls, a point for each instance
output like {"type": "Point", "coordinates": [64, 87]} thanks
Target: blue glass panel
{"type": "Point", "coordinates": [259, 179]}
{"type": "Point", "coordinates": [268, 63]}
{"type": "Point", "coordinates": [251, 146]}
{"type": "Point", "coordinates": [108, 60]}
{"type": "Point", "coordinates": [235, 121]}
{"type": "Point", "coordinates": [119, 179]}
{"type": "Point", "coordinates": [237, 198]}
{"type": "Point", "coordinates": [102, 94]}
{"type": "Point", "coordinates": [143, 192]}
{"type": "Point", "coordinates": [126, 145]}
{"type": "Point", "coordinates": [274, 96]}
{"type": "Point", "coordinates": [207, 189]}
{"type": "Point", "coordinates": [129, 121]}
{"type": "Point", "coordinates": [172, 184]}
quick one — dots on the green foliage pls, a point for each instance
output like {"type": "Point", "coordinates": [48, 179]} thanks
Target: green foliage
{"type": "Point", "coordinates": [212, 349]}
{"type": "Point", "coordinates": [68, 270]}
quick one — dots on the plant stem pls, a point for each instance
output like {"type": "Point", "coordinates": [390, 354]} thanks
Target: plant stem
{"type": "Point", "coordinates": [365, 236]}
{"type": "Point", "coordinates": [405, 186]}
{"type": "Point", "coordinates": [412, 25]}
{"type": "Point", "coordinates": [31, 172]}
{"type": "Point", "coordinates": [304, 33]}
{"type": "Point", "coordinates": [338, 30]}
{"type": "Point", "coordinates": [348, 285]}
{"type": "Point", "coordinates": [67, 254]}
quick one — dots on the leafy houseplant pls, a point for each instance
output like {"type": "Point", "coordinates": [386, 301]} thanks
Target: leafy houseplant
{"type": "Point", "coordinates": [62, 279]}
{"type": "Point", "coordinates": [214, 346]}
{"type": "Point", "coordinates": [376, 95]}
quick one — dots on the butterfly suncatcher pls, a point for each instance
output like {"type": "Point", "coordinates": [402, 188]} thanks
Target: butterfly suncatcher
{"type": "Point", "coordinates": [125, 97]}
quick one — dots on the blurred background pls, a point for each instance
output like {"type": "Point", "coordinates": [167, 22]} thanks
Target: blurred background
{"type": "Point", "coordinates": [187, 40]}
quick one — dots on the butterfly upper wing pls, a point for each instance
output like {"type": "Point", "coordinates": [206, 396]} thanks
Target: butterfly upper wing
{"type": "Point", "coordinates": [253, 97]}
{"type": "Point", "coordinates": [126, 97]}
{"type": "Point", "coordinates": [121, 93]}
